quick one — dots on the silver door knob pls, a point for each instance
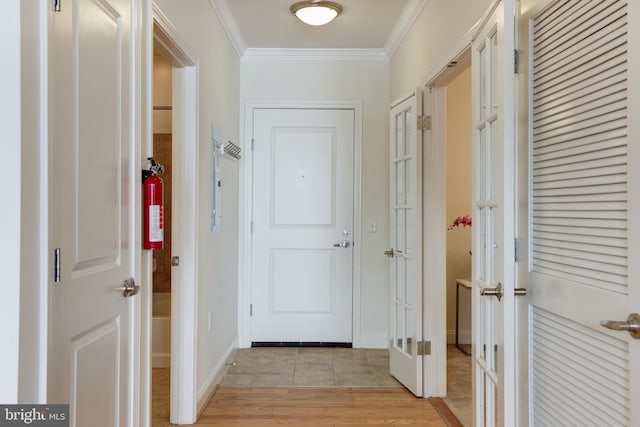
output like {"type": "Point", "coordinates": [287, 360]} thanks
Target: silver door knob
{"type": "Point", "coordinates": [492, 292]}
{"type": "Point", "coordinates": [632, 325]}
{"type": "Point", "coordinates": [129, 287]}
{"type": "Point", "coordinates": [343, 244]}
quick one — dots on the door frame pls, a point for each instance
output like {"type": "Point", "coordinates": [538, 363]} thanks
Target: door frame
{"type": "Point", "coordinates": [435, 210]}
{"type": "Point", "coordinates": [184, 399]}
{"type": "Point", "coordinates": [245, 260]}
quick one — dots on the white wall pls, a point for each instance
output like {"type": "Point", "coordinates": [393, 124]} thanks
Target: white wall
{"type": "Point", "coordinates": [218, 91]}
{"type": "Point", "coordinates": [366, 82]}
{"type": "Point", "coordinates": [436, 32]}
{"type": "Point", "coordinates": [10, 134]}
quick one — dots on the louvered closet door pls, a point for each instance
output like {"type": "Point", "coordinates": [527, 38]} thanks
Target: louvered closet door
{"type": "Point", "coordinates": [584, 213]}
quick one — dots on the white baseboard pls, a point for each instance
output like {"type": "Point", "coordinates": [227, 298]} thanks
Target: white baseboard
{"type": "Point", "coordinates": [372, 341]}
{"type": "Point", "coordinates": [464, 336]}
{"type": "Point", "coordinates": [205, 393]}
{"type": "Point", "coordinates": [160, 360]}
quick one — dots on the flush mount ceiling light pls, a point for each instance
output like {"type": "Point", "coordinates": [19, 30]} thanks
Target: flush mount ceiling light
{"type": "Point", "coordinates": [316, 12]}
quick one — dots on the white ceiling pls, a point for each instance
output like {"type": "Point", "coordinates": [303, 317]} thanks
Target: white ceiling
{"type": "Point", "coordinates": [363, 24]}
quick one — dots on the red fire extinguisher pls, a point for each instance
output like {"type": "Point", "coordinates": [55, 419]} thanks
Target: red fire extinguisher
{"type": "Point", "coordinates": [153, 206]}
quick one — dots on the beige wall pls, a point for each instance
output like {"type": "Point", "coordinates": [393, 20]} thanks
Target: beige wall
{"type": "Point", "coordinates": [458, 110]}
{"type": "Point", "coordinates": [368, 82]}
{"type": "Point", "coordinates": [218, 101]}
{"type": "Point", "coordinates": [162, 94]}
{"type": "Point", "coordinates": [436, 32]}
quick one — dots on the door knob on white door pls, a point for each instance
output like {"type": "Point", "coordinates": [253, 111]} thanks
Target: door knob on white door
{"type": "Point", "coordinates": [129, 287]}
{"type": "Point", "coordinates": [632, 325]}
{"type": "Point", "coordinates": [495, 292]}
{"type": "Point", "coordinates": [343, 244]}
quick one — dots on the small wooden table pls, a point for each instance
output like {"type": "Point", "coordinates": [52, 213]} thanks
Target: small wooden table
{"type": "Point", "coordinates": [465, 284]}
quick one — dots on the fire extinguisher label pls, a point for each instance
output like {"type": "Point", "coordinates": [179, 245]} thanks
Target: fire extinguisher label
{"type": "Point", "coordinates": [156, 223]}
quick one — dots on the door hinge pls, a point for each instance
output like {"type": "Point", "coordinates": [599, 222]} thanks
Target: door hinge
{"type": "Point", "coordinates": [516, 249]}
{"type": "Point", "coordinates": [424, 348]}
{"type": "Point", "coordinates": [424, 122]}
{"type": "Point", "coordinates": [56, 6]}
{"type": "Point", "coordinates": [250, 310]}
{"type": "Point", "coordinates": [251, 227]}
{"type": "Point", "coordinates": [516, 61]}
{"type": "Point", "coordinates": [253, 144]}
{"type": "Point", "coordinates": [56, 265]}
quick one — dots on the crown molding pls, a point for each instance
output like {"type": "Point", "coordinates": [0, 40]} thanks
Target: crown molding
{"type": "Point", "coordinates": [403, 25]}
{"type": "Point", "coordinates": [405, 21]}
{"type": "Point", "coordinates": [221, 8]}
{"type": "Point", "coordinates": [315, 54]}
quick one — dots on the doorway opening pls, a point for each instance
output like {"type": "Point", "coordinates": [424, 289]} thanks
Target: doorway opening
{"type": "Point", "coordinates": [183, 113]}
{"type": "Point", "coordinates": [448, 199]}
{"type": "Point", "coordinates": [458, 243]}
{"type": "Point", "coordinates": [161, 264]}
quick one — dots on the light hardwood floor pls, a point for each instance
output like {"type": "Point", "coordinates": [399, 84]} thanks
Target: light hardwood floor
{"type": "Point", "coordinates": [327, 406]}
{"type": "Point", "coordinates": [272, 400]}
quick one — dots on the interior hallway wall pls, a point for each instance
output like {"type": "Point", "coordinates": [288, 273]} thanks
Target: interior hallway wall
{"type": "Point", "coordinates": [347, 80]}
{"type": "Point", "coordinates": [218, 92]}
{"type": "Point", "coordinates": [435, 33]}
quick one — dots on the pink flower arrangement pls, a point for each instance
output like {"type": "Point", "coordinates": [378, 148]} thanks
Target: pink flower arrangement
{"type": "Point", "coordinates": [461, 221]}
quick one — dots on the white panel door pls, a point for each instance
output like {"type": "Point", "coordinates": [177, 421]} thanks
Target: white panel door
{"type": "Point", "coordinates": [584, 216]}
{"type": "Point", "coordinates": [93, 181]}
{"type": "Point", "coordinates": [302, 225]}
{"type": "Point", "coordinates": [493, 218]}
{"type": "Point", "coordinates": [406, 364]}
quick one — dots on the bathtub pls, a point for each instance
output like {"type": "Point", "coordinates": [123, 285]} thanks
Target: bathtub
{"type": "Point", "coordinates": [161, 330]}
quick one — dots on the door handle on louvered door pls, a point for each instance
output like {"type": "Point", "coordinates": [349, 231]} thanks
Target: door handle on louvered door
{"type": "Point", "coordinates": [632, 325]}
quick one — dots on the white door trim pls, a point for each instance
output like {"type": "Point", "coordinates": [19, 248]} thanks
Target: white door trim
{"type": "Point", "coordinates": [434, 212]}
{"type": "Point", "coordinates": [184, 402]}
{"type": "Point", "coordinates": [246, 207]}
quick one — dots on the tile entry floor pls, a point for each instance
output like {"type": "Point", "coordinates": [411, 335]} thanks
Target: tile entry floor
{"type": "Point", "coordinates": [320, 367]}
{"type": "Point", "coordinates": [310, 367]}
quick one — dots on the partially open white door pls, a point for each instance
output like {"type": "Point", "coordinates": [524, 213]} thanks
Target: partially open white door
{"type": "Point", "coordinates": [406, 347]}
{"type": "Point", "coordinates": [493, 217]}
{"type": "Point", "coordinates": [584, 216]}
{"type": "Point", "coordinates": [94, 176]}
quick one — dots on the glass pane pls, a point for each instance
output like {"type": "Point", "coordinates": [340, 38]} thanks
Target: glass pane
{"type": "Point", "coordinates": [400, 278]}
{"type": "Point", "coordinates": [399, 341]}
{"type": "Point", "coordinates": [409, 266]}
{"type": "Point", "coordinates": [490, 403]}
{"type": "Point", "coordinates": [483, 84]}
{"type": "Point", "coordinates": [410, 238]}
{"type": "Point", "coordinates": [492, 173]}
{"type": "Point", "coordinates": [409, 331]}
{"type": "Point", "coordinates": [410, 127]}
{"type": "Point", "coordinates": [400, 232]}
{"type": "Point", "coordinates": [481, 234]}
{"type": "Point", "coordinates": [399, 135]}
{"type": "Point", "coordinates": [491, 347]}
{"type": "Point", "coordinates": [492, 245]}
{"type": "Point", "coordinates": [482, 193]}
{"type": "Point", "coordinates": [494, 74]}
{"type": "Point", "coordinates": [408, 179]}
{"type": "Point", "coordinates": [400, 195]}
